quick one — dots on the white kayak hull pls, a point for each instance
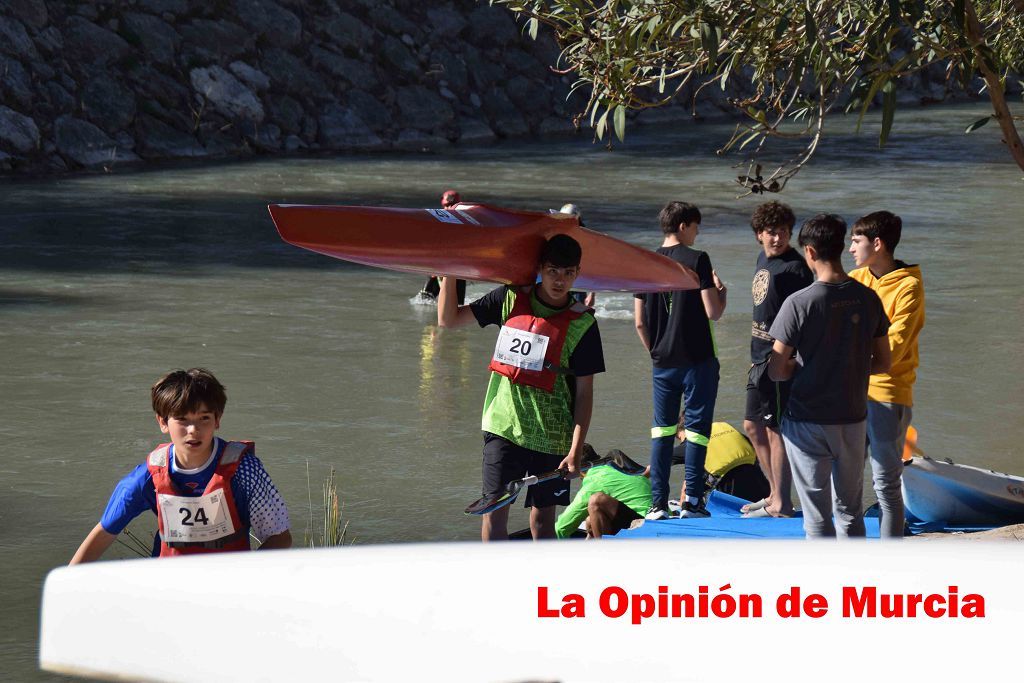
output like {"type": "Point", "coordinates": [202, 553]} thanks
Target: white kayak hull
{"type": "Point", "coordinates": [939, 491]}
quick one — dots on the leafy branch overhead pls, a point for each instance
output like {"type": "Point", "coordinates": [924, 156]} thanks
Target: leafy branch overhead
{"type": "Point", "coordinates": [799, 62]}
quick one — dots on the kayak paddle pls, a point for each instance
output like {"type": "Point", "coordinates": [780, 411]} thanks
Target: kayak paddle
{"type": "Point", "coordinates": [910, 447]}
{"type": "Point", "coordinates": [488, 504]}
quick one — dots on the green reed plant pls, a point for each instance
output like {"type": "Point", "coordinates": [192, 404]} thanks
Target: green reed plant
{"type": "Point", "coordinates": [333, 528]}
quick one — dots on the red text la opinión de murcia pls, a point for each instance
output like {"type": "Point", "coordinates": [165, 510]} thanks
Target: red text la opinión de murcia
{"type": "Point", "coordinates": [855, 602]}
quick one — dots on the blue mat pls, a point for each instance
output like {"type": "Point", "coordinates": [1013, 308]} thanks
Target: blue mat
{"type": "Point", "coordinates": [726, 521]}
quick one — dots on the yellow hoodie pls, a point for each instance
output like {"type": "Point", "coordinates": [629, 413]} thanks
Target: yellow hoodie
{"type": "Point", "coordinates": [902, 295]}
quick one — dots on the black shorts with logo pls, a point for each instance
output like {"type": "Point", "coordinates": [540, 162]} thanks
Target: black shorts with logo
{"type": "Point", "coordinates": [766, 400]}
{"type": "Point", "coordinates": [505, 461]}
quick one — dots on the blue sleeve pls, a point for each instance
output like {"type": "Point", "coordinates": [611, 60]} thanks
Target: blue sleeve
{"type": "Point", "coordinates": [132, 496]}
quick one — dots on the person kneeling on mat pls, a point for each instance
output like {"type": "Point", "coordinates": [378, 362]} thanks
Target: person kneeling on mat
{"type": "Point", "coordinates": [609, 499]}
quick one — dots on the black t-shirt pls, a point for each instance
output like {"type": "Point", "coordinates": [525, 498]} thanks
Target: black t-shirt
{"type": "Point", "coordinates": [586, 359]}
{"type": "Point", "coordinates": [677, 324]}
{"type": "Point", "coordinates": [775, 279]}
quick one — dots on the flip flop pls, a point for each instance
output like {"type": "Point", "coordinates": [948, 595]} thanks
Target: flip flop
{"type": "Point", "coordinates": [762, 513]}
{"type": "Point", "coordinates": [750, 507]}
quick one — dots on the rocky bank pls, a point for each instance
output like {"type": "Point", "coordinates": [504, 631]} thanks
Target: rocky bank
{"type": "Point", "coordinates": [96, 85]}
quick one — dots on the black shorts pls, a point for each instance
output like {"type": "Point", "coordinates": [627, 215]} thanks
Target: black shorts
{"type": "Point", "coordinates": [766, 400]}
{"type": "Point", "coordinates": [504, 462]}
{"type": "Point", "coordinates": [623, 519]}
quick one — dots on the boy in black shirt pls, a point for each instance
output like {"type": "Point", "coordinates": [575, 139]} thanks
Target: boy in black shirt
{"type": "Point", "coordinates": [675, 327]}
{"type": "Point", "coordinates": [780, 271]}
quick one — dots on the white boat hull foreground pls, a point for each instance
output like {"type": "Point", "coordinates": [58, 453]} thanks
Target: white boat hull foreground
{"type": "Point", "coordinates": [946, 492]}
{"type": "Point", "coordinates": [504, 612]}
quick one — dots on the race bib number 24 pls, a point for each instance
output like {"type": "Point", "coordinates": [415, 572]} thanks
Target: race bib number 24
{"type": "Point", "coordinates": [195, 519]}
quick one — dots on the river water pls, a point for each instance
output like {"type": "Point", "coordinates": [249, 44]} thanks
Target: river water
{"type": "Point", "coordinates": [107, 281]}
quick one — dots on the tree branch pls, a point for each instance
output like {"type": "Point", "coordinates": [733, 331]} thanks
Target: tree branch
{"type": "Point", "coordinates": [995, 86]}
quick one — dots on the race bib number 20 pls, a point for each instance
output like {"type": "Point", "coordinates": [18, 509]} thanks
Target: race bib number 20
{"type": "Point", "coordinates": [521, 349]}
{"type": "Point", "coordinates": [195, 519]}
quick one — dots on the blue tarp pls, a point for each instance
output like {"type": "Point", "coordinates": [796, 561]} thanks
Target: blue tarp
{"type": "Point", "coordinates": [727, 522]}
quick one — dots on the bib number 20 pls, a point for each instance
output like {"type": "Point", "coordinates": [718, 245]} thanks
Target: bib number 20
{"type": "Point", "coordinates": [188, 519]}
{"type": "Point", "coordinates": [521, 346]}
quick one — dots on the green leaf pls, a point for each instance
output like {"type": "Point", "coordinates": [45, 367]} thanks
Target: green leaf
{"type": "Point", "coordinates": [709, 42]}
{"type": "Point", "coordinates": [533, 26]}
{"type": "Point", "coordinates": [602, 124]}
{"type": "Point", "coordinates": [620, 123]}
{"type": "Point", "coordinates": [978, 124]}
{"type": "Point", "coordinates": [782, 26]}
{"type": "Point", "coordinates": [810, 28]}
{"type": "Point", "coordinates": [888, 110]}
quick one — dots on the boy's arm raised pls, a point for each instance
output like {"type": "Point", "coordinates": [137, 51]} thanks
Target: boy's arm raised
{"type": "Point", "coordinates": [94, 545]}
{"type": "Point", "coordinates": [449, 312]}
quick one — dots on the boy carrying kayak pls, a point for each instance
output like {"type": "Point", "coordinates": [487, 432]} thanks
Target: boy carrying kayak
{"type": "Point", "coordinates": [541, 392]}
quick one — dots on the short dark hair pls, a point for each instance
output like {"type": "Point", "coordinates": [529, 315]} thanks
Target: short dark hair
{"type": "Point", "coordinates": [884, 225]}
{"type": "Point", "coordinates": [826, 232]}
{"type": "Point", "coordinates": [772, 215]}
{"type": "Point", "coordinates": [674, 214]}
{"type": "Point", "coordinates": [180, 392]}
{"type": "Point", "coordinates": [561, 251]}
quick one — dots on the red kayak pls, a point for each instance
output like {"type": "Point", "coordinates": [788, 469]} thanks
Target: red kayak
{"type": "Point", "coordinates": [473, 242]}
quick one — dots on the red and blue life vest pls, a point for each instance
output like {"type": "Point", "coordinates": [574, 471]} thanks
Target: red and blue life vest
{"type": "Point", "coordinates": [200, 524]}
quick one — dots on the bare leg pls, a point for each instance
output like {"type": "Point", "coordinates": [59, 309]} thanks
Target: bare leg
{"type": "Point", "coordinates": [781, 476]}
{"type": "Point", "coordinates": [494, 525]}
{"type": "Point", "coordinates": [600, 513]}
{"type": "Point", "coordinates": [758, 435]}
{"type": "Point", "coordinates": [542, 522]}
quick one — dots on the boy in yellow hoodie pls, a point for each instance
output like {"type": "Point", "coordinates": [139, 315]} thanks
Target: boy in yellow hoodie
{"type": "Point", "coordinates": [890, 394]}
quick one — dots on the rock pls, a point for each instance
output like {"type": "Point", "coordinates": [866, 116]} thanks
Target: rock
{"type": "Point", "coordinates": [32, 12]}
{"type": "Point", "coordinates": [254, 78]}
{"type": "Point", "coordinates": [423, 109]}
{"type": "Point", "coordinates": [452, 68]}
{"type": "Point", "coordinates": [293, 143]}
{"type": "Point", "coordinates": [341, 128]}
{"type": "Point", "coordinates": [266, 137]}
{"type": "Point", "coordinates": [164, 6]}
{"type": "Point", "coordinates": [446, 22]}
{"type": "Point", "coordinates": [213, 41]}
{"type": "Point", "coordinates": [286, 112]}
{"type": "Point", "coordinates": [508, 122]}
{"type": "Point", "coordinates": [50, 40]}
{"type": "Point", "coordinates": [87, 145]}
{"type": "Point", "coordinates": [18, 131]}
{"type": "Point", "coordinates": [156, 37]}
{"type": "Point", "coordinates": [270, 21]}
{"type": "Point", "coordinates": [417, 141]}
{"type": "Point", "coordinates": [227, 94]}
{"type": "Point", "coordinates": [157, 140]}
{"type": "Point", "coordinates": [348, 33]}
{"type": "Point", "coordinates": [389, 20]}
{"type": "Point", "coordinates": [352, 71]}
{"type": "Point", "coordinates": [59, 98]}
{"type": "Point", "coordinates": [475, 100]}
{"type": "Point", "coordinates": [369, 108]}
{"type": "Point", "coordinates": [475, 131]}
{"type": "Point", "coordinates": [86, 42]}
{"type": "Point", "coordinates": [15, 83]}
{"type": "Point", "coordinates": [162, 89]}
{"type": "Point", "coordinates": [522, 62]}
{"type": "Point", "coordinates": [484, 73]}
{"type": "Point", "coordinates": [107, 103]}
{"type": "Point", "coordinates": [555, 125]}
{"type": "Point", "coordinates": [396, 55]}
{"type": "Point", "coordinates": [14, 39]}
{"type": "Point", "coordinates": [528, 96]}
{"type": "Point", "coordinates": [290, 74]}
{"type": "Point", "coordinates": [42, 71]}
{"type": "Point", "coordinates": [490, 26]}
